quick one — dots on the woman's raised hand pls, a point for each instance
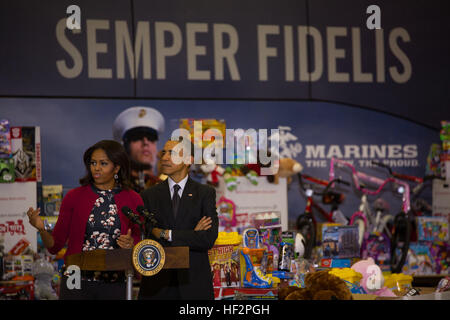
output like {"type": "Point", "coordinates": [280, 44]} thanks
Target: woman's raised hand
{"type": "Point", "coordinates": [34, 219]}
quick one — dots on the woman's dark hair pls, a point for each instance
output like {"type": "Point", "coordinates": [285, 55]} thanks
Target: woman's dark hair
{"type": "Point", "coordinates": [116, 154]}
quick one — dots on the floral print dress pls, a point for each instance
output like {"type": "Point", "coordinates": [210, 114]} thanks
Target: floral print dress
{"type": "Point", "coordinates": [103, 226]}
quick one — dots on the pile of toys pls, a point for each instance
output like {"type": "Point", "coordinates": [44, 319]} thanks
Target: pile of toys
{"type": "Point", "coordinates": [445, 154]}
{"type": "Point", "coordinates": [27, 275]}
{"type": "Point", "coordinates": [263, 262]}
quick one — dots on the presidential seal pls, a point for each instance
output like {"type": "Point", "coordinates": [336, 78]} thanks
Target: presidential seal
{"type": "Point", "coordinates": [148, 257]}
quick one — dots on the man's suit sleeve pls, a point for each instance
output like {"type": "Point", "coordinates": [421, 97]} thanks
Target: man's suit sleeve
{"type": "Point", "coordinates": [200, 240]}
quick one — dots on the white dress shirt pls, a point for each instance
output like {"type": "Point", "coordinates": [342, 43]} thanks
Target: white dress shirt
{"type": "Point", "coordinates": [182, 184]}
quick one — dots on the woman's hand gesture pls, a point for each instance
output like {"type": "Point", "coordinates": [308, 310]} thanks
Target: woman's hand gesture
{"type": "Point", "coordinates": [34, 219]}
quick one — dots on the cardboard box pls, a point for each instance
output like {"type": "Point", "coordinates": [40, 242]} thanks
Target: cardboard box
{"type": "Point", "coordinates": [26, 152]}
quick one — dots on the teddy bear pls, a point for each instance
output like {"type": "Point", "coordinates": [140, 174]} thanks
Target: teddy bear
{"type": "Point", "coordinates": [319, 285]}
{"type": "Point", "coordinates": [287, 168]}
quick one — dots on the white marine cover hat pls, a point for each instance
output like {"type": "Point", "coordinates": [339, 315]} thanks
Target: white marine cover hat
{"type": "Point", "coordinates": [137, 117]}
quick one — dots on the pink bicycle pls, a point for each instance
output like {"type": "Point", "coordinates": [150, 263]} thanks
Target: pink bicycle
{"type": "Point", "coordinates": [401, 230]}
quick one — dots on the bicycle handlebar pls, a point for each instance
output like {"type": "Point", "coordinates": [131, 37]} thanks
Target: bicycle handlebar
{"type": "Point", "coordinates": [327, 184]}
{"type": "Point", "coordinates": [357, 176]}
{"type": "Point", "coordinates": [418, 180]}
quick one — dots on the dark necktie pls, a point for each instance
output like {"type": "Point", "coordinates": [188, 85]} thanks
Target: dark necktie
{"type": "Point", "coordinates": [175, 199]}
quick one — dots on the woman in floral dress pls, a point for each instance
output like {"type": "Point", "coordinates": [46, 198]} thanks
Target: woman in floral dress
{"type": "Point", "coordinates": [91, 218]}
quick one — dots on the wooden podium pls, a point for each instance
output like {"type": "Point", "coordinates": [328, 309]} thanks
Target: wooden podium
{"type": "Point", "coordinates": [121, 260]}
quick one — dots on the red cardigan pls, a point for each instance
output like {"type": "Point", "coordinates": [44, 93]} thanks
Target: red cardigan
{"type": "Point", "coordinates": [74, 214]}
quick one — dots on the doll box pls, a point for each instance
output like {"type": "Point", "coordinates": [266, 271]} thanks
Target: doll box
{"type": "Point", "coordinates": [432, 229]}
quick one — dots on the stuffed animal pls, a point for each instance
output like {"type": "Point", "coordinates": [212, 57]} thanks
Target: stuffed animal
{"type": "Point", "coordinates": [212, 172]}
{"type": "Point", "coordinates": [373, 279]}
{"type": "Point", "coordinates": [288, 167]}
{"type": "Point", "coordinates": [320, 285]}
{"type": "Point", "coordinates": [43, 272]}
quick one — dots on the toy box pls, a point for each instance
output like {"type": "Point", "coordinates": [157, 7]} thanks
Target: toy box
{"type": "Point", "coordinates": [253, 263]}
{"type": "Point", "coordinates": [270, 238]}
{"type": "Point", "coordinates": [224, 260]}
{"type": "Point", "coordinates": [7, 170]}
{"type": "Point", "coordinates": [351, 278]}
{"type": "Point", "coordinates": [26, 152]}
{"type": "Point", "coordinates": [265, 219]}
{"type": "Point", "coordinates": [5, 139]}
{"type": "Point", "coordinates": [340, 242]}
{"type": "Point", "coordinates": [17, 265]}
{"type": "Point", "coordinates": [52, 198]}
{"type": "Point", "coordinates": [335, 263]}
{"type": "Point", "coordinates": [440, 253]}
{"type": "Point", "coordinates": [419, 260]}
{"type": "Point", "coordinates": [432, 229]}
{"type": "Point", "coordinates": [320, 226]}
{"type": "Point", "coordinates": [378, 247]}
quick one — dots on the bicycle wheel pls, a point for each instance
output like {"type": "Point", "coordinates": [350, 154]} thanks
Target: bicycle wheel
{"type": "Point", "coordinates": [305, 226]}
{"type": "Point", "coordinates": [401, 235]}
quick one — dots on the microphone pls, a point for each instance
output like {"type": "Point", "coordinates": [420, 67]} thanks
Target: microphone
{"type": "Point", "coordinates": [149, 218]}
{"type": "Point", "coordinates": [134, 219]}
{"type": "Point", "coordinates": [130, 215]}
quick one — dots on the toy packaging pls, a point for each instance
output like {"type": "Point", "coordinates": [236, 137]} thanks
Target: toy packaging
{"type": "Point", "coordinates": [252, 275]}
{"type": "Point", "coordinates": [433, 166]}
{"type": "Point", "coordinates": [340, 242]}
{"type": "Point", "coordinates": [351, 277]}
{"type": "Point", "coordinates": [26, 152]}
{"type": "Point", "coordinates": [335, 263]}
{"type": "Point", "coordinates": [253, 260]}
{"type": "Point", "coordinates": [226, 210]}
{"type": "Point", "coordinates": [377, 246]}
{"type": "Point", "coordinates": [432, 229]}
{"type": "Point", "coordinates": [52, 198]}
{"type": "Point", "coordinates": [320, 226]}
{"type": "Point", "coordinates": [419, 260]}
{"type": "Point", "coordinates": [5, 139]}
{"type": "Point", "coordinates": [224, 260]}
{"type": "Point", "coordinates": [270, 239]}
{"type": "Point", "coordinates": [265, 219]}
{"type": "Point", "coordinates": [17, 265]}
{"type": "Point", "coordinates": [399, 283]}
{"type": "Point", "coordinates": [7, 170]}
{"type": "Point", "coordinates": [440, 254]}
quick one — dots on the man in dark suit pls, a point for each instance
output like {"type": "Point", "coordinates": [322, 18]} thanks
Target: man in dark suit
{"type": "Point", "coordinates": [187, 216]}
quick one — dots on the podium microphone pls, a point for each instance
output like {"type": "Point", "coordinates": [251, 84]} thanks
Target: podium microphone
{"type": "Point", "coordinates": [134, 219]}
{"type": "Point", "coordinates": [149, 217]}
